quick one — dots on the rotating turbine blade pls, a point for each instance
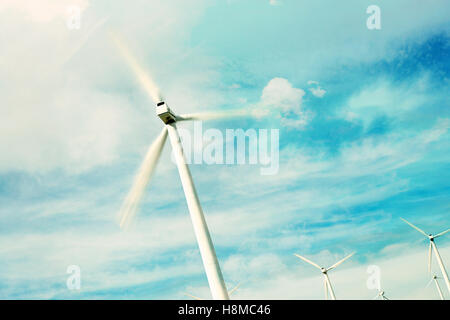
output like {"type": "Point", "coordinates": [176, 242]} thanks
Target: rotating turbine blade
{"type": "Point", "coordinates": [234, 289]}
{"type": "Point", "coordinates": [429, 257]}
{"type": "Point", "coordinates": [215, 115]}
{"type": "Point", "coordinates": [192, 296]}
{"type": "Point", "coordinates": [442, 233]}
{"type": "Point", "coordinates": [145, 80]}
{"type": "Point", "coordinates": [325, 286]}
{"type": "Point", "coordinates": [413, 226]}
{"type": "Point", "coordinates": [309, 261]}
{"type": "Point", "coordinates": [340, 261]}
{"type": "Point", "coordinates": [131, 203]}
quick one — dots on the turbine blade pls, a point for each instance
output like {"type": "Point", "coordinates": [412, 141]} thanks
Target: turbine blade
{"type": "Point", "coordinates": [215, 115]}
{"type": "Point", "coordinates": [340, 261]}
{"type": "Point", "coordinates": [131, 202]}
{"type": "Point", "coordinates": [442, 233]}
{"type": "Point", "coordinates": [378, 294]}
{"type": "Point", "coordinates": [429, 282]}
{"type": "Point", "coordinates": [413, 226]}
{"type": "Point", "coordinates": [234, 289]}
{"type": "Point", "coordinates": [429, 258]}
{"type": "Point", "coordinates": [192, 296]}
{"type": "Point", "coordinates": [145, 80]}
{"type": "Point", "coordinates": [309, 261]}
{"type": "Point", "coordinates": [325, 285]}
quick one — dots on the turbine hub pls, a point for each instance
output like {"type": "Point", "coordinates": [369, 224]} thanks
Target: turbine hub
{"type": "Point", "coordinates": [164, 113]}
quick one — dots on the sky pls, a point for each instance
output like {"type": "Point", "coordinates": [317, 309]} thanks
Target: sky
{"type": "Point", "coordinates": [363, 119]}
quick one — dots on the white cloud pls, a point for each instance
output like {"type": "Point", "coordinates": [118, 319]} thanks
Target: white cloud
{"type": "Point", "coordinates": [76, 130]}
{"type": "Point", "coordinates": [281, 98]}
{"type": "Point", "coordinates": [317, 91]}
{"type": "Point", "coordinates": [76, 105]}
{"type": "Point", "coordinates": [279, 93]}
{"type": "Point", "coordinates": [387, 98]}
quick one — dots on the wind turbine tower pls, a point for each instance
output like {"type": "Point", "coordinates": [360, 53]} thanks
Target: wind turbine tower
{"type": "Point", "coordinates": [433, 248]}
{"type": "Point", "coordinates": [434, 279]}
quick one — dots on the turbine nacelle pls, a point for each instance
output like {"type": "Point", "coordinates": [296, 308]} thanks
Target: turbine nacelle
{"type": "Point", "coordinates": [164, 113]}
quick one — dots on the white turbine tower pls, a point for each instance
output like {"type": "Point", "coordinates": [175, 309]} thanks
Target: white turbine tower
{"type": "Point", "coordinates": [326, 279]}
{"type": "Point", "coordinates": [433, 248]}
{"type": "Point", "coordinates": [131, 203]}
{"type": "Point", "coordinates": [435, 279]}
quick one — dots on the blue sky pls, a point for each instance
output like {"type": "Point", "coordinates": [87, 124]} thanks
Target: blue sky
{"type": "Point", "coordinates": [369, 147]}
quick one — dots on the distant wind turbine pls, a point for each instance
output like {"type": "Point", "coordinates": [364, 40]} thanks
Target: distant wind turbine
{"type": "Point", "coordinates": [380, 295]}
{"type": "Point", "coordinates": [435, 279]}
{"type": "Point", "coordinates": [326, 279]}
{"type": "Point", "coordinates": [434, 248]}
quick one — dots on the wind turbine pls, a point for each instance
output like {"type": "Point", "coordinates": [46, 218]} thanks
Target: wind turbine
{"type": "Point", "coordinates": [326, 279]}
{"type": "Point", "coordinates": [380, 295]}
{"type": "Point", "coordinates": [131, 202]}
{"type": "Point", "coordinates": [434, 248]}
{"type": "Point", "coordinates": [197, 298]}
{"type": "Point", "coordinates": [434, 278]}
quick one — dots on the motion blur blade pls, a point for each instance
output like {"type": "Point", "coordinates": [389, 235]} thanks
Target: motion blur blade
{"type": "Point", "coordinates": [234, 289]}
{"type": "Point", "coordinates": [442, 233]}
{"type": "Point", "coordinates": [340, 261]}
{"type": "Point", "coordinates": [309, 261]}
{"type": "Point", "coordinates": [192, 296]}
{"type": "Point", "coordinates": [131, 203]}
{"type": "Point", "coordinates": [429, 258]}
{"type": "Point", "coordinates": [413, 226]}
{"type": "Point", "coordinates": [378, 294]}
{"type": "Point", "coordinates": [213, 115]}
{"type": "Point", "coordinates": [143, 77]}
{"type": "Point", "coordinates": [429, 282]}
{"type": "Point", "coordinates": [325, 286]}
